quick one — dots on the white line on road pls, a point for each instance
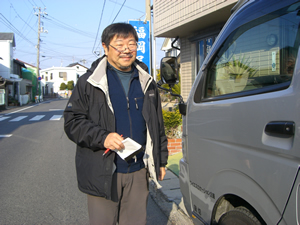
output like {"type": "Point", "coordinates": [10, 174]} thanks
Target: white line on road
{"type": "Point", "coordinates": [4, 118]}
{"type": "Point", "coordinates": [18, 118]}
{"type": "Point", "coordinates": [5, 135]}
{"type": "Point", "coordinates": [19, 110]}
{"type": "Point", "coordinates": [56, 109]}
{"type": "Point", "coordinates": [56, 117]}
{"type": "Point", "coordinates": [36, 118]}
{"type": "Point", "coordinates": [27, 107]}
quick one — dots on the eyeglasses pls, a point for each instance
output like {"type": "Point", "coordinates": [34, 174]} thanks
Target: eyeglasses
{"type": "Point", "coordinates": [121, 49]}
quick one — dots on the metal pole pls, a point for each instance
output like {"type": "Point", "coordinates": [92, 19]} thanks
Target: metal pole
{"type": "Point", "coordinates": [38, 52]}
{"type": "Point", "coordinates": [148, 18]}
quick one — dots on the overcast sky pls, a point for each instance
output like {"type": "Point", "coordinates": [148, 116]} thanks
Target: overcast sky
{"type": "Point", "coordinates": [72, 27]}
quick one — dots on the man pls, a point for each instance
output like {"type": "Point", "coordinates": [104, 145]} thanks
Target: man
{"type": "Point", "coordinates": [116, 98]}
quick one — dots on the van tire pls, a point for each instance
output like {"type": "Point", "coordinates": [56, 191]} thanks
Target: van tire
{"type": "Point", "coordinates": [238, 216]}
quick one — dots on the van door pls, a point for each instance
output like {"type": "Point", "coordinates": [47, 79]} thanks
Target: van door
{"type": "Point", "coordinates": [243, 119]}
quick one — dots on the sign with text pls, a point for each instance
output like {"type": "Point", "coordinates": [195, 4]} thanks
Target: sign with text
{"type": "Point", "coordinates": [143, 32]}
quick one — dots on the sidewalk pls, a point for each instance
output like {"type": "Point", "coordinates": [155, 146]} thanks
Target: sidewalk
{"type": "Point", "coordinates": [45, 99]}
{"type": "Point", "coordinates": [169, 197]}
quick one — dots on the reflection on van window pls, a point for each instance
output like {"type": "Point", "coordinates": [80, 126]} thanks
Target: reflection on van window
{"type": "Point", "coordinates": [258, 54]}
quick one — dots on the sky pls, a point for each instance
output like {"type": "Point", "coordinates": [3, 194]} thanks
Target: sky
{"type": "Point", "coordinates": [74, 28]}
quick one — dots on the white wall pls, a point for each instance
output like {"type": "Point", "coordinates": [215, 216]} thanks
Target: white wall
{"type": "Point", "coordinates": [6, 64]}
{"type": "Point", "coordinates": [56, 81]}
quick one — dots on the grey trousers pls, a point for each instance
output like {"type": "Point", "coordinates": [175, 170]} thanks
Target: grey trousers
{"type": "Point", "coordinates": [129, 201]}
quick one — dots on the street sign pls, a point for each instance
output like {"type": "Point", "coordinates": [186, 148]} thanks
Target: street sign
{"type": "Point", "coordinates": [143, 32]}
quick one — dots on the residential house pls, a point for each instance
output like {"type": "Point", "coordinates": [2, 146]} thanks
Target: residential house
{"type": "Point", "coordinates": [29, 73]}
{"type": "Point", "coordinates": [9, 82]}
{"type": "Point", "coordinates": [53, 77]}
{"type": "Point", "coordinates": [196, 23]}
{"type": "Point", "coordinates": [25, 85]}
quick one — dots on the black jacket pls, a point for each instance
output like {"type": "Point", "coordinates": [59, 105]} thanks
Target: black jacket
{"type": "Point", "coordinates": [89, 118]}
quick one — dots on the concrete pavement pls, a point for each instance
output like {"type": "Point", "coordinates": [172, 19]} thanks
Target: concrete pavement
{"type": "Point", "coordinates": [169, 199]}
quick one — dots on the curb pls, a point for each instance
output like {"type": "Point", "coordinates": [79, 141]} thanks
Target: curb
{"type": "Point", "coordinates": [172, 207]}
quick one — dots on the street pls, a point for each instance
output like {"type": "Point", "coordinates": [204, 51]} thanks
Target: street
{"type": "Point", "coordinates": [37, 162]}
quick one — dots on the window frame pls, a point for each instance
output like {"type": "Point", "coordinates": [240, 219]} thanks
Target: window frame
{"type": "Point", "coordinates": [201, 87]}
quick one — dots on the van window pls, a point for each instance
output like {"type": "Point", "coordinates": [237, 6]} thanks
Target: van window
{"type": "Point", "coordinates": [259, 54]}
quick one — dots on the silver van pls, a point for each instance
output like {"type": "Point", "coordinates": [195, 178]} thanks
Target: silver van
{"type": "Point", "coordinates": [241, 121]}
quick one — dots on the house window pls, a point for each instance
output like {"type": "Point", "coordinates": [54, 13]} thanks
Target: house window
{"type": "Point", "coordinates": [46, 78]}
{"type": "Point", "coordinates": [51, 76]}
{"type": "Point", "coordinates": [63, 75]}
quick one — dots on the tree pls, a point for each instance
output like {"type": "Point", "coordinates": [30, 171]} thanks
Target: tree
{"type": "Point", "coordinates": [63, 86]}
{"type": "Point", "coordinates": [70, 85]}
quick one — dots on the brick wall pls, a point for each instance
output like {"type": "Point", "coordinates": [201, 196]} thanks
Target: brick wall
{"type": "Point", "coordinates": [174, 146]}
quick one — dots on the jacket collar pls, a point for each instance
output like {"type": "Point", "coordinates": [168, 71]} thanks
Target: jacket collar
{"type": "Point", "coordinates": [98, 77]}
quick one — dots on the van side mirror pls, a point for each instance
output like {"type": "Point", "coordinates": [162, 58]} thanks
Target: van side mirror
{"type": "Point", "coordinates": [169, 70]}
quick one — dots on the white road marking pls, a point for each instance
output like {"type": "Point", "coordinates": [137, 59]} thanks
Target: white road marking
{"type": "Point", "coordinates": [56, 109]}
{"type": "Point", "coordinates": [18, 118]}
{"type": "Point", "coordinates": [4, 118]}
{"type": "Point", "coordinates": [19, 110]}
{"type": "Point", "coordinates": [5, 135]}
{"type": "Point", "coordinates": [28, 107]}
{"type": "Point", "coordinates": [36, 118]}
{"type": "Point", "coordinates": [56, 117]}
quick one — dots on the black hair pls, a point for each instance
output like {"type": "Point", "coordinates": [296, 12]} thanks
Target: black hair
{"type": "Point", "coordinates": [119, 29]}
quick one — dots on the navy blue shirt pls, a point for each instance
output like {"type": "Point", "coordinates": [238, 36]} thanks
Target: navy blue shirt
{"type": "Point", "coordinates": [128, 114]}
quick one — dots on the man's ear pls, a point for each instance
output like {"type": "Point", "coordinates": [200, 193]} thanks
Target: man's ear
{"type": "Point", "coordinates": [105, 48]}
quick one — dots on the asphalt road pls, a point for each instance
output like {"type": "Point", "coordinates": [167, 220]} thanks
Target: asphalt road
{"type": "Point", "coordinates": [37, 170]}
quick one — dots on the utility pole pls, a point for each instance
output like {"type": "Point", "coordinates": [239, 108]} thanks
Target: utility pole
{"type": "Point", "coordinates": [40, 30]}
{"type": "Point", "coordinates": [148, 18]}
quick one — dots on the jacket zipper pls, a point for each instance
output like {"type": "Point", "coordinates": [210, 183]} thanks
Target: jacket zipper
{"type": "Point", "coordinates": [136, 105]}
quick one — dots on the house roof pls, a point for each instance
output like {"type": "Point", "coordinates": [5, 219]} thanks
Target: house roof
{"type": "Point", "coordinates": [20, 63]}
{"type": "Point", "coordinates": [8, 36]}
{"type": "Point", "coordinates": [26, 63]}
{"type": "Point", "coordinates": [75, 64]}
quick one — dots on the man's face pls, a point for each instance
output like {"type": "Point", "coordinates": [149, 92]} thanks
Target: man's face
{"type": "Point", "coordinates": [121, 61]}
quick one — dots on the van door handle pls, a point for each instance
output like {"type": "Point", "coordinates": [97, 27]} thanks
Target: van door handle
{"type": "Point", "coordinates": [280, 128]}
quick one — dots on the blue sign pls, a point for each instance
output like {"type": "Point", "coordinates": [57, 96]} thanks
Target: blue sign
{"type": "Point", "coordinates": [143, 32]}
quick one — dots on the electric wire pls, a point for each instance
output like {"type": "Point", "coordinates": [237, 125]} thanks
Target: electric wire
{"type": "Point", "coordinates": [119, 11]}
{"type": "Point", "coordinates": [127, 6]}
{"type": "Point", "coordinates": [68, 27]}
{"type": "Point", "coordinates": [22, 18]}
{"type": "Point", "coordinates": [13, 28]}
{"type": "Point", "coordinates": [98, 28]}
{"type": "Point", "coordinates": [113, 21]}
{"type": "Point", "coordinates": [43, 3]}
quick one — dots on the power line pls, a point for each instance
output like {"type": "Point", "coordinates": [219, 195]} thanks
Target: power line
{"type": "Point", "coordinates": [98, 28]}
{"type": "Point", "coordinates": [68, 27]}
{"type": "Point", "coordinates": [119, 11]}
{"type": "Point", "coordinates": [127, 6]}
{"type": "Point", "coordinates": [113, 20]}
{"type": "Point", "coordinates": [21, 17]}
{"type": "Point", "coordinates": [43, 3]}
{"type": "Point", "coordinates": [13, 28]}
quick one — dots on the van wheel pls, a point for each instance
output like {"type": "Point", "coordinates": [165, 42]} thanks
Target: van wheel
{"type": "Point", "coordinates": [238, 216]}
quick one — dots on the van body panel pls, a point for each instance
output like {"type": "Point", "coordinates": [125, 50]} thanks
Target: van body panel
{"type": "Point", "coordinates": [227, 150]}
{"type": "Point", "coordinates": [292, 211]}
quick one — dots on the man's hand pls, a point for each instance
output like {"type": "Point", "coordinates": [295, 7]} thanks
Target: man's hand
{"type": "Point", "coordinates": [113, 141]}
{"type": "Point", "coordinates": [162, 173]}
